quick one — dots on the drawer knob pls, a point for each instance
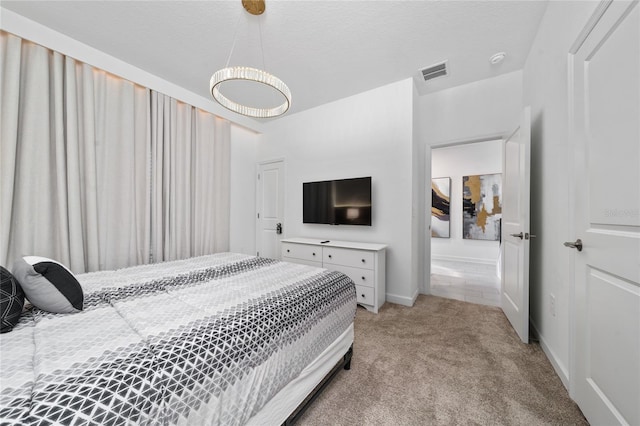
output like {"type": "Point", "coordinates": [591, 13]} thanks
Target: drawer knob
{"type": "Point", "coordinates": [362, 278]}
{"type": "Point", "coordinates": [288, 251]}
{"type": "Point", "coordinates": [362, 260]}
{"type": "Point", "coordinates": [362, 296]}
{"type": "Point", "coordinates": [329, 256]}
{"type": "Point", "coordinates": [314, 254]}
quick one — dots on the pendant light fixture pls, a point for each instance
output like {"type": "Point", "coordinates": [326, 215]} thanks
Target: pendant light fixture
{"type": "Point", "coordinates": [254, 7]}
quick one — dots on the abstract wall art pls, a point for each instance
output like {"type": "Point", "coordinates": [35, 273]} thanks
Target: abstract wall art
{"type": "Point", "coordinates": [481, 207]}
{"type": "Point", "coordinates": [440, 196]}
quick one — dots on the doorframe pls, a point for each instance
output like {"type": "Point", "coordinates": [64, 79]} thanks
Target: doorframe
{"type": "Point", "coordinates": [426, 285]}
{"type": "Point", "coordinates": [571, 229]}
{"type": "Point", "coordinates": [257, 197]}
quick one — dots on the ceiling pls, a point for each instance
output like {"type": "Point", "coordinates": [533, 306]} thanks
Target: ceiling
{"type": "Point", "coordinates": [323, 50]}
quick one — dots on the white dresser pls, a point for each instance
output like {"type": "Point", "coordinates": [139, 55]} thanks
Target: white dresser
{"type": "Point", "coordinates": [364, 263]}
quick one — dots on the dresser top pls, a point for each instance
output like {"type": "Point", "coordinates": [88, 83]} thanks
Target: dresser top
{"type": "Point", "coordinates": [336, 243]}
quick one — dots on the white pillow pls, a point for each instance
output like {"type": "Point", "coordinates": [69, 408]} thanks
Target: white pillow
{"type": "Point", "coordinates": [48, 284]}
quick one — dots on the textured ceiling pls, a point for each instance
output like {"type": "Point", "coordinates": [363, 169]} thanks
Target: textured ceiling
{"type": "Point", "coordinates": [323, 50]}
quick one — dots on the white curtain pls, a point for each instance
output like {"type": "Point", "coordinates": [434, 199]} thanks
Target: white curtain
{"type": "Point", "coordinates": [190, 180]}
{"type": "Point", "coordinates": [86, 180]}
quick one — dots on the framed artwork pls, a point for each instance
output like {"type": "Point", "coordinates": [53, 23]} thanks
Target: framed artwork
{"type": "Point", "coordinates": [481, 207]}
{"type": "Point", "coordinates": [440, 196]}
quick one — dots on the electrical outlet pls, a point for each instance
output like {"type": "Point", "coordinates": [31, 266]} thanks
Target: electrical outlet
{"type": "Point", "coordinates": [552, 304]}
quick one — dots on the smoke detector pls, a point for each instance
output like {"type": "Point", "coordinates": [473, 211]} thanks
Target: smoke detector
{"type": "Point", "coordinates": [497, 58]}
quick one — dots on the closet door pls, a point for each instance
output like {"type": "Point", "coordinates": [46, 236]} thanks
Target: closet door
{"type": "Point", "coordinates": [270, 209]}
{"type": "Point", "coordinates": [606, 129]}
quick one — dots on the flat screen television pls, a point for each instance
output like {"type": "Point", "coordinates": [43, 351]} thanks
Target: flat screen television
{"type": "Point", "coordinates": [337, 202]}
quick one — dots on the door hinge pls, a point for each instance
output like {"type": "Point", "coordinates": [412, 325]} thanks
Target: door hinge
{"type": "Point", "coordinates": [258, 176]}
{"type": "Point", "coordinates": [258, 215]}
{"type": "Point", "coordinates": [258, 253]}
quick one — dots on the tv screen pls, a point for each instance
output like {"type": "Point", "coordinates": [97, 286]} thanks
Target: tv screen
{"type": "Point", "coordinates": [337, 202]}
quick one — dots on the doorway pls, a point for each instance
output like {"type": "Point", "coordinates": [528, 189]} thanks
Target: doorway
{"type": "Point", "coordinates": [465, 240]}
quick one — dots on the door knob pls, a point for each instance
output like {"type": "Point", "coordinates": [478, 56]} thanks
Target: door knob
{"type": "Point", "coordinates": [576, 245]}
{"type": "Point", "coordinates": [518, 235]}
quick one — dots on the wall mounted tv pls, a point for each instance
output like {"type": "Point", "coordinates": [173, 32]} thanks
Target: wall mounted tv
{"type": "Point", "coordinates": [337, 202]}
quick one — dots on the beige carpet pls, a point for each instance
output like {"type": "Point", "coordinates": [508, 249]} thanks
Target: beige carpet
{"type": "Point", "coordinates": [443, 362]}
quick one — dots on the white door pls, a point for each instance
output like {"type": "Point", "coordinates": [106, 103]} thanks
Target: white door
{"type": "Point", "coordinates": [515, 226]}
{"type": "Point", "coordinates": [605, 104]}
{"type": "Point", "coordinates": [270, 206]}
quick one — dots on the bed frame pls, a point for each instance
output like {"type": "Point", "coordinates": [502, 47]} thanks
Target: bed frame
{"type": "Point", "coordinates": [344, 363]}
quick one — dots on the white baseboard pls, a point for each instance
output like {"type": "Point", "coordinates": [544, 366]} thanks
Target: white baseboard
{"type": "Point", "coordinates": [560, 369]}
{"type": "Point", "coordinates": [464, 259]}
{"type": "Point", "coordinates": [402, 300]}
{"type": "Point", "coordinates": [415, 296]}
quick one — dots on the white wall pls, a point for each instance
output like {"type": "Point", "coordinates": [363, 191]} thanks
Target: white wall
{"type": "Point", "coordinates": [369, 134]}
{"type": "Point", "coordinates": [475, 111]}
{"type": "Point", "coordinates": [244, 151]}
{"type": "Point", "coordinates": [455, 162]}
{"type": "Point", "coordinates": [421, 172]}
{"type": "Point", "coordinates": [546, 90]}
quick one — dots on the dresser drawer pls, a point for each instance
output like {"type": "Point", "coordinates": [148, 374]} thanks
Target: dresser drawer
{"type": "Point", "coordinates": [302, 261]}
{"type": "Point", "coordinates": [364, 295]}
{"type": "Point", "coordinates": [363, 277]}
{"type": "Point", "coordinates": [302, 251]}
{"type": "Point", "coordinates": [348, 257]}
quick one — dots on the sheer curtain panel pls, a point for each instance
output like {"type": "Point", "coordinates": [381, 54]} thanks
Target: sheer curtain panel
{"type": "Point", "coordinates": [190, 180]}
{"type": "Point", "coordinates": [74, 154]}
{"type": "Point", "coordinates": [100, 173]}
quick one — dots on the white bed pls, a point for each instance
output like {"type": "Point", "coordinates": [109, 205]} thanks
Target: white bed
{"type": "Point", "coordinates": [222, 339]}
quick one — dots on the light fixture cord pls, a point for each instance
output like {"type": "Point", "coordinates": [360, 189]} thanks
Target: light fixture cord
{"type": "Point", "coordinates": [235, 38]}
{"type": "Point", "coordinates": [264, 66]}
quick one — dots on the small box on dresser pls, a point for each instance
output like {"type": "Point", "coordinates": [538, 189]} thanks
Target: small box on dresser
{"type": "Point", "coordinates": [364, 263]}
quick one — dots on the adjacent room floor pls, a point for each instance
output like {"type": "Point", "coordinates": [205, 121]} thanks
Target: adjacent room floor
{"type": "Point", "coordinates": [469, 282]}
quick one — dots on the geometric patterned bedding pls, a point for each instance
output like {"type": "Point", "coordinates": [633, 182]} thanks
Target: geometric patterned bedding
{"type": "Point", "coordinates": [206, 340]}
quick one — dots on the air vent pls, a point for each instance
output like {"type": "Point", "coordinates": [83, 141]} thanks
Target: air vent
{"type": "Point", "coordinates": [434, 71]}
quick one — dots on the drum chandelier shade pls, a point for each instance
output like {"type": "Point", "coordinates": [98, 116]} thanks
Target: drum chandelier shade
{"type": "Point", "coordinates": [254, 7]}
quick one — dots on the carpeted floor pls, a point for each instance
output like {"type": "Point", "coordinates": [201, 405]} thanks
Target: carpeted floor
{"type": "Point", "coordinates": [443, 362]}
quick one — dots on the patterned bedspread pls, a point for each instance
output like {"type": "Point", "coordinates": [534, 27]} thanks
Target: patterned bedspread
{"type": "Point", "coordinates": [207, 340]}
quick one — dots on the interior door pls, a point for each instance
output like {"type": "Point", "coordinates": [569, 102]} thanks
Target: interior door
{"type": "Point", "coordinates": [606, 135]}
{"type": "Point", "coordinates": [515, 226]}
{"type": "Point", "coordinates": [270, 208]}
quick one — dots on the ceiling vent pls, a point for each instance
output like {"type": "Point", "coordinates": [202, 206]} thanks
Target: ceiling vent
{"type": "Point", "coordinates": [434, 71]}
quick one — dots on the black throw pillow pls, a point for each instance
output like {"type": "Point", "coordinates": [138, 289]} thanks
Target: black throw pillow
{"type": "Point", "coordinates": [11, 300]}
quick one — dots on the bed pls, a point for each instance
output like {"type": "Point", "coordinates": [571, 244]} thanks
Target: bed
{"type": "Point", "coordinates": [222, 339]}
